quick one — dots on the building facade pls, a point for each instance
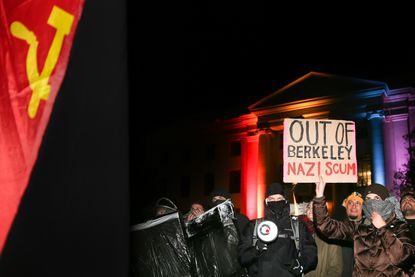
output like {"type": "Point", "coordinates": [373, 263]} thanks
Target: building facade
{"type": "Point", "coordinates": [244, 153]}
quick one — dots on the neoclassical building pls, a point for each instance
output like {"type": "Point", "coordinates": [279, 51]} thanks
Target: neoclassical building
{"type": "Point", "coordinates": [244, 153]}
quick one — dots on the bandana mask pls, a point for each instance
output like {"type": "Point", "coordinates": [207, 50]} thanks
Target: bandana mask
{"type": "Point", "coordinates": [385, 208]}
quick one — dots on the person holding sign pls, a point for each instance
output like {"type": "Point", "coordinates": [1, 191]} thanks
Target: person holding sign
{"type": "Point", "coordinates": [382, 243]}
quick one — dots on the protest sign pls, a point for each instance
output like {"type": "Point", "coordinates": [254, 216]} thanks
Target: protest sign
{"type": "Point", "coordinates": [314, 147]}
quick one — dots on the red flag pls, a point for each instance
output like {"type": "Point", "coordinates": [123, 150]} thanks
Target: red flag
{"type": "Point", "coordinates": [35, 40]}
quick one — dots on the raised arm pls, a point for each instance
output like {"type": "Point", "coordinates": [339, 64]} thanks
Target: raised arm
{"type": "Point", "coordinates": [329, 227]}
{"type": "Point", "coordinates": [320, 186]}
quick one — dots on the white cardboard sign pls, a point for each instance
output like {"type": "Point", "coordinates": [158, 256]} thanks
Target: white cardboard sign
{"type": "Point", "coordinates": [319, 147]}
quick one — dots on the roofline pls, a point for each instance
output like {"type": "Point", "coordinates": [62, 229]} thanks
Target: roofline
{"type": "Point", "coordinates": [281, 89]}
{"type": "Point", "coordinates": [252, 107]}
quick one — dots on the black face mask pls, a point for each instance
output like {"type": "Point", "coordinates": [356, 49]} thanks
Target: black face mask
{"type": "Point", "coordinates": [277, 209]}
{"type": "Point", "coordinates": [277, 205]}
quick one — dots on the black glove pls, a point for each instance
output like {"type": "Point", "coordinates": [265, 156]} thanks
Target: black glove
{"type": "Point", "coordinates": [260, 246]}
{"type": "Point", "coordinates": [295, 267]}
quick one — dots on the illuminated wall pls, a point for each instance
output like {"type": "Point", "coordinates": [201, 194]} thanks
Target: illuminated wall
{"type": "Point", "coordinates": [378, 159]}
{"type": "Point", "coordinates": [386, 115]}
{"type": "Point", "coordinates": [399, 120]}
{"type": "Point", "coordinates": [249, 186]}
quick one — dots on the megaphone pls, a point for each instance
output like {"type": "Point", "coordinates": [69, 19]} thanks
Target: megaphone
{"type": "Point", "coordinates": [267, 231]}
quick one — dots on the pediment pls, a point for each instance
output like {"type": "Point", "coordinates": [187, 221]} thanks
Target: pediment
{"type": "Point", "coordinates": [316, 85]}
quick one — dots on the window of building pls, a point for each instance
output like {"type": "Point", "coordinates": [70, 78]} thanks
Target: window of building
{"type": "Point", "coordinates": [210, 152]}
{"type": "Point", "coordinates": [235, 148]}
{"type": "Point", "coordinates": [362, 131]}
{"type": "Point", "coordinates": [185, 186]}
{"type": "Point", "coordinates": [235, 181]}
{"type": "Point", "coordinates": [364, 173]}
{"type": "Point", "coordinates": [209, 183]}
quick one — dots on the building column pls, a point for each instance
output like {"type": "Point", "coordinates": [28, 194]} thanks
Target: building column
{"type": "Point", "coordinates": [249, 178]}
{"type": "Point", "coordinates": [267, 166]}
{"type": "Point", "coordinates": [395, 145]}
{"type": "Point", "coordinates": [375, 119]}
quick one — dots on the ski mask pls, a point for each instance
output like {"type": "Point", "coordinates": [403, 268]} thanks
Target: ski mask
{"type": "Point", "coordinates": [277, 209]}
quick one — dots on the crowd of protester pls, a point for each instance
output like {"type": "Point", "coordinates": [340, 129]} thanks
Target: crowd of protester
{"type": "Point", "coordinates": [376, 238]}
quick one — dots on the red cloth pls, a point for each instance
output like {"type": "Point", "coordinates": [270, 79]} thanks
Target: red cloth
{"type": "Point", "coordinates": [35, 42]}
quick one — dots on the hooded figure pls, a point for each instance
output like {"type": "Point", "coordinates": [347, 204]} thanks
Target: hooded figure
{"type": "Point", "coordinates": [280, 256]}
{"type": "Point", "coordinates": [220, 195]}
{"type": "Point", "coordinates": [378, 199]}
{"type": "Point", "coordinates": [382, 243]}
{"type": "Point", "coordinates": [276, 206]}
{"type": "Point", "coordinates": [164, 206]}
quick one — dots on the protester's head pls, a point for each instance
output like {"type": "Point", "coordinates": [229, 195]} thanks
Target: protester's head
{"type": "Point", "coordinates": [164, 206]}
{"type": "Point", "coordinates": [377, 199]}
{"type": "Point", "coordinates": [376, 192]}
{"type": "Point", "coordinates": [353, 204]}
{"type": "Point", "coordinates": [219, 195]}
{"type": "Point", "coordinates": [276, 205]}
{"type": "Point", "coordinates": [197, 208]}
{"type": "Point", "coordinates": [408, 204]}
{"type": "Point", "coordinates": [275, 189]}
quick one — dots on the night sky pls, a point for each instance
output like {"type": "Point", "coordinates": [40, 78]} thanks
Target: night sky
{"type": "Point", "coordinates": [207, 60]}
{"type": "Point", "coordinates": [214, 60]}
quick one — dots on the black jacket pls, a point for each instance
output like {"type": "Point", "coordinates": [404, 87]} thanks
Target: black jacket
{"type": "Point", "coordinates": [280, 253]}
{"type": "Point", "coordinates": [241, 222]}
